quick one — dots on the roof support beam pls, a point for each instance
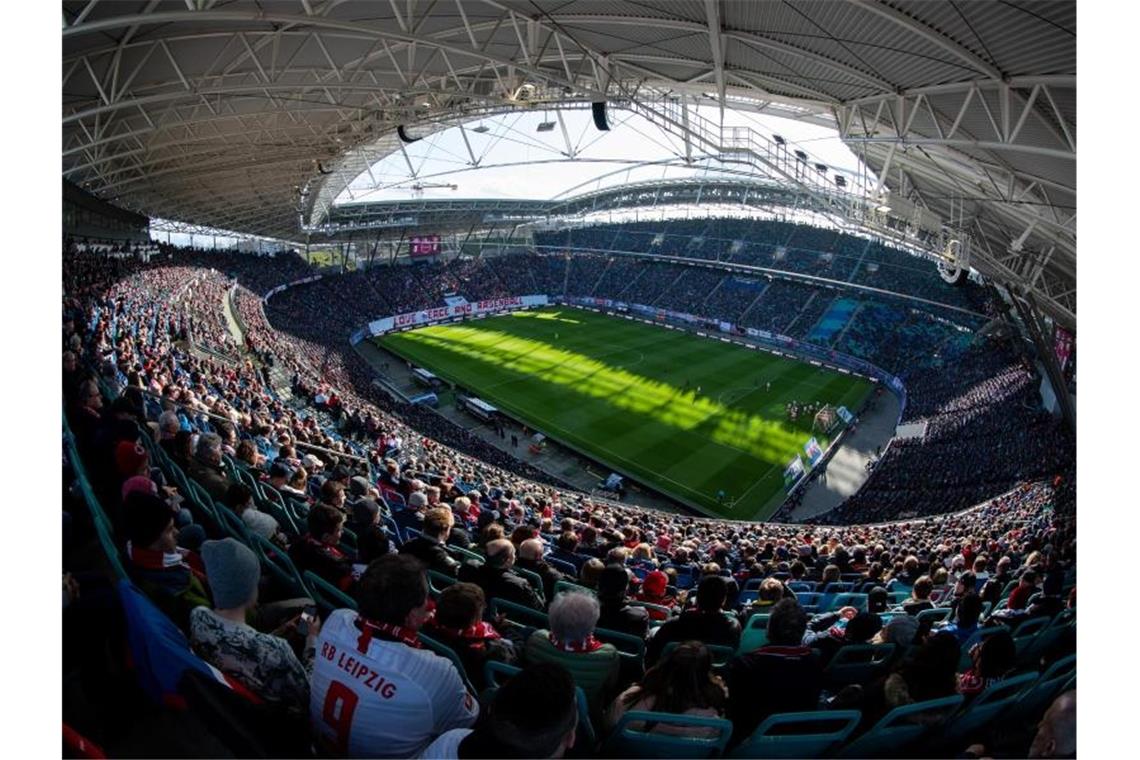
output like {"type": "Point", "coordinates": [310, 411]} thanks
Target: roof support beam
{"type": "Point", "coordinates": [716, 42]}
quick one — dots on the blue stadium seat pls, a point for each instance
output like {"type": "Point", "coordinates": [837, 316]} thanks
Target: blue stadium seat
{"type": "Point", "coordinates": [901, 728]}
{"type": "Point", "coordinates": [562, 566]}
{"type": "Point", "coordinates": [796, 586]}
{"type": "Point", "coordinates": [630, 740]}
{"type": "Point", "coordinates": [799, 734]}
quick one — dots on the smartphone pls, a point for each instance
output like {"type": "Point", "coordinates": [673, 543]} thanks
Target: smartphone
{"type": "Point", "coordinates": [308, 615]}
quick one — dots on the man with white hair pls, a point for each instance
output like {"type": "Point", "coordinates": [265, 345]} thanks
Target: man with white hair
{"type": "Point", "coordinates": [571, 643]}
{"type": "Point", "coordinates": [413, 515]}
{"type": "Point", "coordinates": [497, 578]}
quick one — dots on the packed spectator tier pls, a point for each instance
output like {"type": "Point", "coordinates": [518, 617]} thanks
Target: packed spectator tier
{"type": "Point", "coordinates": [584, 581]}
{"type": "Point", "coordinates": [977, 395]}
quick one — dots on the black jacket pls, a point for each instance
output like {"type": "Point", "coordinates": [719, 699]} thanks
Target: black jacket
{"type": "Point", "coordinates": [501, 584]}
{"type": "Point", "coordinates": [708, 627]}
{"type": "Point", "coordinates": [625, 619]}
{"type": "Point", "coordinates": [549, 575]}
{"type": "Point", "coordinates": [432, 554]}
{"type": "Point", "coordinates": [771, 679]}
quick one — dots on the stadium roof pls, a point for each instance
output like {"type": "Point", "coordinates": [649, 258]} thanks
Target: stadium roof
{"type": "Point", "coordinates": [254, 116]}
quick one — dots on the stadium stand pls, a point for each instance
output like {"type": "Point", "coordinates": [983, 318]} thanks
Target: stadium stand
{"type": "Point", "coordinates": [162, 407]}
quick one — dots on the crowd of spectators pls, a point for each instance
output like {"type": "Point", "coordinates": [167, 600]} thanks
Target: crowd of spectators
{"type": "Point", "coordinates": [419, 492]}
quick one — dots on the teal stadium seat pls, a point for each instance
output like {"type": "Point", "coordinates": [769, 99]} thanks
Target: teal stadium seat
{"type": "Point", "coordinates": [519, 614]}
{"type": "Point", "coordinates": [799, 734]}
{"type": "Point", "coordinates": [902, 727]}
{"type": "Point", "coordinates": [859, 663]}
{"type": "Point", "coordinates": [975, 717]}
{"type": "Point", "coordinates": [847, 599]}
{"type": "Point", "coordinates": [754, 634]}
{"type": "Point", "coordinates": [630, 740]}
{"type": "Point", "coordinates": [495, 675]}
{"type": "Point", "coordinates": [327, 596]}
{"type": "Point", "coordinates": [1026, 635]}
{"type": "Point", "coordinates": [443, 650]}
{"type": "Point", "coordinates": [720, 654]}
{"type": "Point", "coordinates": [1032, 702]}
{"type": "Point", "coordinates": [280, 566]}
{"type": "Point", "coordinates": [980, 635]}
{"type": "Point", "coordinates": [934, 615]}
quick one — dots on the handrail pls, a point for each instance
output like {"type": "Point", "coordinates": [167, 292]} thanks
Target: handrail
{"type": "Point", "coordinates": [298, 444]}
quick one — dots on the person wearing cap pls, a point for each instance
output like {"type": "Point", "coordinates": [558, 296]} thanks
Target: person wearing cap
{"type": "Point", "coordinates": [654, 590]}
{"type": "Point", "coordinates": [263, 662]}
{"type": "Point", "coordinates": [497, 577]}
{"type": "Point", "coordinates": [173, 577]}
{"type": "Point", "coordinates": [900, 631]}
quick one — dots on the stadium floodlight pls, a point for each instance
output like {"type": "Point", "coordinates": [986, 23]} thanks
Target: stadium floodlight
{"type": "Point", "coordinates": [546, 126]}
{"type": "Point", "coordinates": [481, 129]}
{"type": "Point", "coordinates": [779, 139]}
{"type": "Point", "coordinates": [821, 168]}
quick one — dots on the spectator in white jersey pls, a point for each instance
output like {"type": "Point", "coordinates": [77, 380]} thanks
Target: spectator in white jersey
{"type": "Point", "coordinates": [376, 692]}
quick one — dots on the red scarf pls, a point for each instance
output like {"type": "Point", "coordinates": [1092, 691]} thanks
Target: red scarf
{"type": "Point", "coordinates": [385, 631]}
{"type": "Point", "coordinates": [150, 559]}
{"type": "Point", "coordinates": [330, 549]}
{"type": "Point", "coordinates": [591, 644]}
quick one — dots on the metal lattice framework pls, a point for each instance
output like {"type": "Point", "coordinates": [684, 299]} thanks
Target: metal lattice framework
{"type": "Point", "coordinates": [252, 116]}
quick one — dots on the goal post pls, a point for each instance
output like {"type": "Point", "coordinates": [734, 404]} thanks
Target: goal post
{"type": "Point", "coordinates": [825, 419]}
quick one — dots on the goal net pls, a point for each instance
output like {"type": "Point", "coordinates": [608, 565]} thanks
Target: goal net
{"type": "Point", "coordinates": [825, 419]}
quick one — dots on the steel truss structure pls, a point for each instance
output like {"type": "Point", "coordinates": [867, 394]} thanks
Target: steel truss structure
{"type": "Point", "coordinates": [252, 116]}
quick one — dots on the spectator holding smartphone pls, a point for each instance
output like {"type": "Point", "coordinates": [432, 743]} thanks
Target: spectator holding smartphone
{"type": "Point", "coordinates": [263, 662]}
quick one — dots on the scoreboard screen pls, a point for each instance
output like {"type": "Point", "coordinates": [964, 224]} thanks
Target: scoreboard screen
{"type": "Point", "coordinates": [425, 245]}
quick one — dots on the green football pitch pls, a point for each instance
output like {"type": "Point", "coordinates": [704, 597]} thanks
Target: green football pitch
{"type": "Point", "coordinates": [690, 416]}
